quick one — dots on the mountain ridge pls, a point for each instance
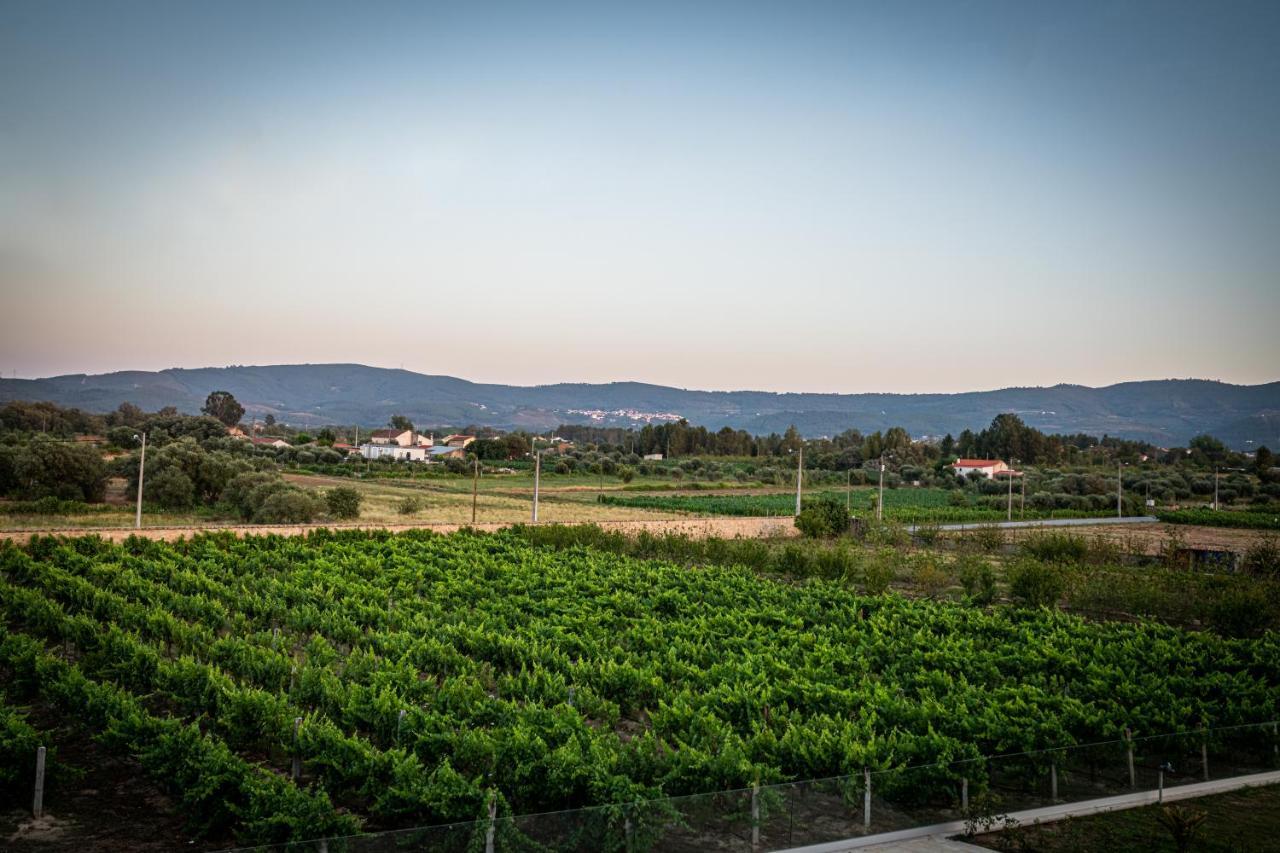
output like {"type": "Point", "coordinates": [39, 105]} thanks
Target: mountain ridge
{"type": "Point", "coordinates": [1164, 411]}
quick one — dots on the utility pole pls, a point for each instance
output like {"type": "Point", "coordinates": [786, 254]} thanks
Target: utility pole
{"type": "Point", "coordinates": [1120, 490]}
{"type": "Point", "coordinates": [475, 489]}
{"type": "Point", "coordinates": [1022, 501]}
{"type": "Point", "coordinates": [1215, 486]}
{"type": "Point", "coordinates": [537, 473]}
{"type": "Point", "coordinates": [1009, 510]}
{"type": "Point", "coordinates": [142, 466]}
{"type": "Point", "coordinates": [848, 494]}
{"type": "Point", "coordinates": [880, 501]}
{"type": "Point", "coordinates": [799, 475]}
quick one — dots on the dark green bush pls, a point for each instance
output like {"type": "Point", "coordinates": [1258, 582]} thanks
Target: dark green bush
{"type": "Point", "coordinates": [1036, 584]}
{"type": "Point", "coordinates": [823, 518]}
{"type": "Point", "coordinates": [1053, 546]}
{"type": "Point", "coordinates": [343, 502]}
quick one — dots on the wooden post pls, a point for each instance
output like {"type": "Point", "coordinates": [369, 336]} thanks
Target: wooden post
{"type": "Point", "coordinates": [1128, 738]}
{"type": "Point", "coordinates": [1053, 781]}
{"type": "Point", "coordinates": [297, 759]}
{"type": "Point", "coordinates": [755, 814]}
{"type": "Point", "coordinates": [37, 802]}
{"type": "Point", "coordinates": [475, 489]}
{"type": "Point", "coordinates": [866, 799]}
{"type": "Point", "coordinates": [964, 794]}
{"type": "Point", "coordinates": [1160, 784]}
{"type": "Point", "coordinates": [1204, 758]}
{"type": "Point", "coordinates": [492, 831]}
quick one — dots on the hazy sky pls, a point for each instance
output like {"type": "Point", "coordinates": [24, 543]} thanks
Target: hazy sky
{"type": "Point", "coordinates": [849, 196]}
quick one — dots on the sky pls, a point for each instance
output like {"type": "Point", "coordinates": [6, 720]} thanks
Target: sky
{"type": "Point", "coordinates": [844, 197]}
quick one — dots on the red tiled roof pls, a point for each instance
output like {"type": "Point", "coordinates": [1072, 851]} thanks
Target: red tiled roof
{"type": "Point", "coordinates": [975, 463]}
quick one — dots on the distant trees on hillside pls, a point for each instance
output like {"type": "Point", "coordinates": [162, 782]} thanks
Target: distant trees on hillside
{"type": "Point", "coordinates": [223, 406]}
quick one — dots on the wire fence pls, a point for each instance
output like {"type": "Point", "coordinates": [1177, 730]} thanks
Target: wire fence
{"type": "Point", "coordinates": [814, 811]}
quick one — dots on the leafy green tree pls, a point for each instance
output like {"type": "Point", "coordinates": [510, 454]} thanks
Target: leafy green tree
{"type": "Point", "coordinates": [823, 518]}
{"type": "Point", "coordinates": [1036, 584]}
{"type": "Point", "coordinates": [344, 502]}
{"type": "Point", "coordinates": [223, 406]}
{"type": "Point", "coordinates": [400, 422]}
{"type": "Point", "coordinates": [47, 467]}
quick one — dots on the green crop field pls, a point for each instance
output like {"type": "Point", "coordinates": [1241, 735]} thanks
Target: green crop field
{"type": "Point", "coordinates": [908, 506]}
{"type": "Point", "coordinates": [1251, 519]}
{"type": "Point", "coordinates": [430, 670]}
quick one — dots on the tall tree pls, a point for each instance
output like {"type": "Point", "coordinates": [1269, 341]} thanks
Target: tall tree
{"type": "Point", "coordinates": [400, 422]}
{"type": "Point", "coordinates": [224, 407]}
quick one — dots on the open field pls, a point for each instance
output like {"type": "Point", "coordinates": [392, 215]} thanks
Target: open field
{"type": "Point", "coordinates": [556, 678]}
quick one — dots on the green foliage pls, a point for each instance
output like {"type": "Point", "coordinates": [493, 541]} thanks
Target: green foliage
{"type": "Point", "coordinates": [823, 518]}
{"type": "Point", "coordinates": [977, 577]}
{"type": "Point", "coordinates": [879, 570]}
{"type": "Point", "coordinates": [1055, 546]}
{"type": "Point", "coordinates": [1262, 559]}
{"type": "Point", "coordinates": [288, 505]}
{"type": "Point", "coordinates": [343, 502]}
{"type": "Point", "coordinates": [1035, 584]}
{"type": "Point", "coordinates": [929, 574]}
{"type": "Point", "coordinates": [224, 407]}
{"type": "Point", "coordinates": [409, 505]}
{"type": "Point", "coordinates": [47, 467]}
{"type": "Point", "coordinates": [1267, 518]}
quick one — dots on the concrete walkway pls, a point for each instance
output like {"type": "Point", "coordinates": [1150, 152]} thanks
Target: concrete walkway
{"type": "Point", "coordinates": [1042, 522]}
{"type": "Point", "coordinates": [935, 838]}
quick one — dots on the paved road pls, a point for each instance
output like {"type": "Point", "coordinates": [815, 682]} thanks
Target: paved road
{"type": "Point", "coordinates": [1044, 522]}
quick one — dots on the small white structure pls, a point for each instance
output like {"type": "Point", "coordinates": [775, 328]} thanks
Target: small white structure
{"type": "Point", "coordinates": [988, 468]}
{"type": "Point", "coordinates": [653, 457]}
{"type": "Point", "coordinates": [394, 451]}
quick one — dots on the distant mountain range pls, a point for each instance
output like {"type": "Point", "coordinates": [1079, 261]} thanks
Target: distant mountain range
{"type": "Point", "coordinates": [1166, 412]}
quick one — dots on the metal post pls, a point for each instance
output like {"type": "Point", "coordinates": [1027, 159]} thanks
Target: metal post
{"type": "Point", "coordinates": [848, 494]}
{"type": "Point", "coordinates": [493, 826]}
{"type": "Point", "coordinates": [537, 475]}
{"type": "Point", "coordinates": [297, 759]}
{"type": "Point", "coordinates": [142, 466]}
{"type": "Point", "coordinates": [799, 475]}
{"type": "Point", "coordinates": [1204, 758]}
{"type": "Point", "coordinates": [475, 489]}
{"type": "Point", "coordinates": [1215, 486]}
{"type": "Point", "coordinates": [964, 794]}
{"type": "Point", "coordinates": [37, 802]}
{"type": "Point", "coordinates": [1160, 782]}
{"type": "Point", "coordinates": [1022, 501]}
{"type": "Point", "coordinates": [1053, 781]}
{"type": "Point", "coordinates": [880, 500]}
{"type": "Point", "coordinates": [1009, 510]}
{"type": "Point", "coordinates": [1128, 738]}
{"type": "Point", "coordinates": [866, 799]}
{"type": "Point", "coordinates": [755, 814]}
{"type": "Point", "coordinates": [1119, 490]}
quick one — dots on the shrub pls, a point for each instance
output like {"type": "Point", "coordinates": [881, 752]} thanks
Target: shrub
{"type": "Point", "coordinates": [1055, 547]}
{"type": "Point", "coordinates": [409, 505]}
{"type": "Point", "coordinates": [985, 538]}
{"type": "Point", "coordinates": [1241, 612]}
{"type": "Point", "coordinates": [878, 571]}
{"type": "Point", "coordinates": [343, 502]}
{"type": "Point", "coordinates": [170, 488]}
{"type": "Point", "coordinates": [288, 505]}
{"type": "Point", "coordinates": [928, 575]}
{"type": "Point", "coordinates": [1036, 584]}
{"type": "Point", "coordinates": [1263, 558]}
{"type": "Point", "coordinates": [823, 518]}
{"type": "Point", "coordinates": [978, 579]}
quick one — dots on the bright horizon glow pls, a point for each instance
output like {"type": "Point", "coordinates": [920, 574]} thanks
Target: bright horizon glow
{"type": "Point", "coordinates": [821, 197]}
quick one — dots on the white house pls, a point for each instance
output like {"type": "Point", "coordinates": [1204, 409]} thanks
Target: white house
{"type": "Point", "coordinates": [653, 457]}
{"type": "Point", "coordinates": [988, 468]}
{"type": "Point", "coordinates": [400, 437]}
{"type": "Point", "coordinates": [394, 451]}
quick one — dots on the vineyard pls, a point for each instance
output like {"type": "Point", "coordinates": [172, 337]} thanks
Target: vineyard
{"type": "Point", "coordinates": [906, 506]}
{"type": "Point", "coordinates": [1246, 519]}
{"type": "Point", "coordinates": [409, 676]}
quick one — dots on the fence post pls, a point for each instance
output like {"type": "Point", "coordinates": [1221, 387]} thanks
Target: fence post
{"type": "Point", "coordinates": [493, 827]}
{"type": "Point", "coordinates": [1275, 736]}
{"type": "Point", "coordinates": [1128, 739]}
{"type": "Point", "coordinates": [1160, 783]}
{"type": "Point", "coordinates": [1204, 752]}
{"type": "Point", "coordinates": [755, 814]}
{"type": "Point", "coordinates": [37, 802]}
{"type": "Point", "coordinates": [1053, 781]}
{"type": "Point", "coordinates": [297, 759]}
{"type": "Point", "coordinates": [964, 794]}
{"type": "Point", "coordinates": [866, 799]}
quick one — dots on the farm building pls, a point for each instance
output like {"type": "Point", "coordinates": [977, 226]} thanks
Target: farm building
{"type": "Point", "coordinates": [399, 437]}
{"type": "Point", "coordinates": [988, 468]}
{"type": "Point", "coordinates": [406, 453]}
{"type": "Point", "coordinates": [458, 440]}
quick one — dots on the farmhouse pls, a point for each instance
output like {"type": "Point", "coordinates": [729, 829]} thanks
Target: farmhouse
{"type": "Point", "coordinates": [270, 442]}
{"type": "Point", "coordinates": [405, 453]}
{"type": "Point", "coordinates": [458, 440]}
{"type": "Point", "coordinates": [988, 468]}
{"type": "Point", "coordinates": [444, 451]}
{"type": "Point", "coordinates": [400, 437]}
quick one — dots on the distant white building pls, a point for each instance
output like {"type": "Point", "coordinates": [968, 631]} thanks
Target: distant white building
{"type": "Point", "coordinates": [653, 457]}
{"type": "Point", "coordinates": [988, 468]}
{"type": "Point", "coordinates": [395, 451]}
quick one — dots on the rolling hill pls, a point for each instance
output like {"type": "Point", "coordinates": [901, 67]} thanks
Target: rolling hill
{"type": "Point", "coordinates": [1167, 412]}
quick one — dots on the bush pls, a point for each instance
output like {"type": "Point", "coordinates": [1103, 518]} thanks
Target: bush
{"type": "Point", "coordinates": [978, 579]}
{"type": "Point", "coordinates": [1055, 547]}
{"type": "Point", "coordinates": [409, 505]}
{"type": "Point", "coordinates": [288, 505]}
{"type": "Point", "coordinates": [985, 538]}
{"type": "Point", "coordinates": [878, 571]}
{"type": "Point", "coordinates": [928, 575]}
{"type": "Point", "coordinates": [823, 518]}
{"type": "Point", "coordinates": [1036, 584]}
{"type": "Point", "coordinates": [1263, 558]}
{"type": "Point", "coordinates": [170, 488]}
{"type": "Point", "coordinates": [1242, 612]}
{"type": "Point", "coordinates": [343, 502]}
